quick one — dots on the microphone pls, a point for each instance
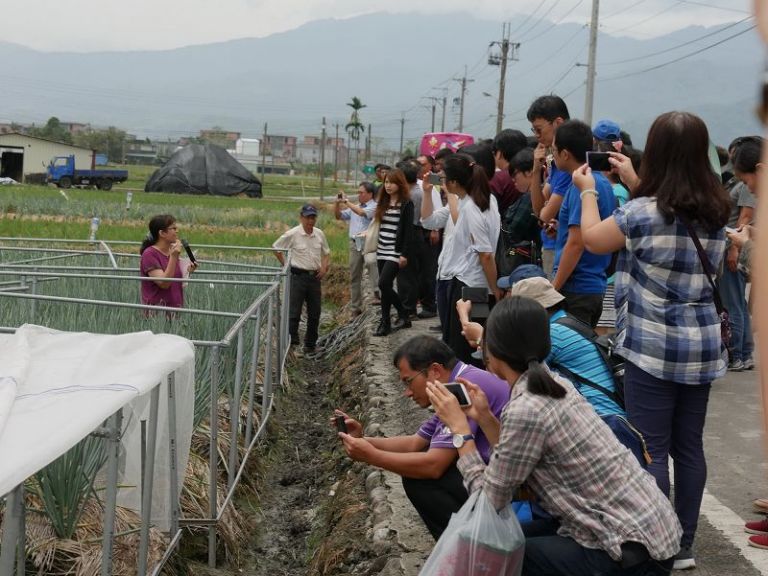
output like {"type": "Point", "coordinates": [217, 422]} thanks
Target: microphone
{"type": "Point", "coordinates": [190, 254]}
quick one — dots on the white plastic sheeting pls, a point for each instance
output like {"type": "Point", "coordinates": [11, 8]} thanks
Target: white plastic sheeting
{"type": "Point", "coordinates": [57, 387]}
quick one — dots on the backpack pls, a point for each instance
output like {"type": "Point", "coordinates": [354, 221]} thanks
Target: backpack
{"type": "Point", "coordinates": [517, 237]}
{"type": "Point", "coordinates": [605, 346]}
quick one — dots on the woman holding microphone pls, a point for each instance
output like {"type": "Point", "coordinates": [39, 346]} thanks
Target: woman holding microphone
{"type": "Point", "coordinates": [159, 261]}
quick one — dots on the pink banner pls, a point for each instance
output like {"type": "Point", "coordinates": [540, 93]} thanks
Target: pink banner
{"type": "Point", "coordinates": [431, 143]}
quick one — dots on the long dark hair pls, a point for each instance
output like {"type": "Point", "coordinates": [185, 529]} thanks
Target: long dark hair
{"type": "Point", "coordinates": [676, 171]}
{"type": "Point", "coordinates": [470, 175]}
{"type": "Point", "coordinates": [156, 225]}
{"type": "Point", "coordinates": [397, 177]}
{"type": "Point", "coordinates": [517, 333]}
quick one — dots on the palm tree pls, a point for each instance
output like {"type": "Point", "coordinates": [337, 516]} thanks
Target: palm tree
{"type": "Point", "coordinates": [355, 127]}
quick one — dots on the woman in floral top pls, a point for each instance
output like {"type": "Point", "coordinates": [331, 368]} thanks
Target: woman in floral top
{"type": "Point", "coordinates": [608, 515]}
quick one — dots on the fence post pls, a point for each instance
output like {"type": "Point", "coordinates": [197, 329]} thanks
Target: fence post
{"type": "Point", "coordinates": [149, 474]}
{"type": "Point", "coordinates": [252, 378]}
{"type": "Point", "coordinates": [234, 411]}
{"type": "Point", "coordinates": [213, 457]}
{"type": "Point", "coordinates": [113, 456]}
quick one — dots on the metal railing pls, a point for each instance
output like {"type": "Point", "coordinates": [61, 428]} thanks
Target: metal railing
{"type": "Point", "coordinates": [258, 333]}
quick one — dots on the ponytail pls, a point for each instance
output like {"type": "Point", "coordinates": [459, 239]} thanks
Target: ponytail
{"type": "Point", "coordinates": [479, 188]}
{"type": "Point", "coordinates": [541, 383]}
{"type": "Point", "coordinates": [148, 241]}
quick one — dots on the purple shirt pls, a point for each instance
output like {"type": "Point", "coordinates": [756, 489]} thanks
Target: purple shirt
{"type": "Point", "coordinates": [151, 293]}
{"type": "Point", "coordinates": [497, 391]}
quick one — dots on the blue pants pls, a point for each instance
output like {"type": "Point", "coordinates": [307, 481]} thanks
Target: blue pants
{"type": "Point", "coordinates": [671, 418]}
{"type": "Point", "coordinates": [733, 293]}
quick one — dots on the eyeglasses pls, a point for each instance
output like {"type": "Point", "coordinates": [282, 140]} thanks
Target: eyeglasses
{"type": "Point", "coordinates": [537, 130]}
{"type": "Point", "coordinates": [408, 379]}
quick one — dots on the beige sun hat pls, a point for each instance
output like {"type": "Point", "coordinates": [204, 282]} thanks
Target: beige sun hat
{"type": "Point", "coordinates": [539, 289]}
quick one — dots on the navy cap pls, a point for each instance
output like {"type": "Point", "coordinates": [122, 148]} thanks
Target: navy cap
{"type": "Point", "coordinates": [308, 210]}
{"type": "Point", "coordinates": [607, 130]}
{"type": "Point", "coordinates": [520, 273]}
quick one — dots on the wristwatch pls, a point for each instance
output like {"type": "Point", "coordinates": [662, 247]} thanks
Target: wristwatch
{"type": "Point", "coordinates": [459, 440]}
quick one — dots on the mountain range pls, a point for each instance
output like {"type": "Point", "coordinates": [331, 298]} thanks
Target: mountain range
{"type": "Point", "coordinates": [391, 62]}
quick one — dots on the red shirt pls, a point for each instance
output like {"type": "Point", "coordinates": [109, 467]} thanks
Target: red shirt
{"type": "Point", "coordinates": [503, 187]}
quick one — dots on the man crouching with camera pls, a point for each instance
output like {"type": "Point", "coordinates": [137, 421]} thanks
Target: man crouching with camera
{"type": "Point", "coordinates": [426, 460]}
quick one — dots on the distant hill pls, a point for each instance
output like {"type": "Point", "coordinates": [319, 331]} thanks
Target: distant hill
{"type": "Point", "coordinates": [290, 80]}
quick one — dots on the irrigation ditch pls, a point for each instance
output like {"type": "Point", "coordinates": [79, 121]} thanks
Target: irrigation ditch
{"type": "Point", "coordinates": [314, 511]}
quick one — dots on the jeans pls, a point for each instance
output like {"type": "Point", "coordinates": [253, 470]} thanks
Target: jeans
{"type": "Point", "coordinates": [387, 273]}
{"type": "Point", "coordinates": [304, 288]}
{"type": "Point", "coordinates": [435, 500]}
{"type": "Point", "coordinates": [586, 307]}
{"type": "Point", "coordinates": [733, 286]}
{"type": "Point", "coordinates": [547, 554]}
{"type": "Point", "coordinates": [671, 418]}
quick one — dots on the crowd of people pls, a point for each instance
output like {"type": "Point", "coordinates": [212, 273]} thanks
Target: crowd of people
{"type": "Point", "coordinates": [648, 250]}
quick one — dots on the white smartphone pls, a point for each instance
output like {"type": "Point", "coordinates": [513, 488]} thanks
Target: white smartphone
{"type": "Point", "coordinates": [730, 230]}
{"type": "Point", "coordinates": [460, 391]}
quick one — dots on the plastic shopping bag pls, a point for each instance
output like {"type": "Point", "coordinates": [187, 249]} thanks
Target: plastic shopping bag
{"type": "Point", "coordinates": [478, 542]}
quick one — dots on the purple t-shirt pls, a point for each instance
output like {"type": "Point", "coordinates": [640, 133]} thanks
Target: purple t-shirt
{"type": "Point", "coordinates": [151, 293]}
{"type": "Point", "coordinates": [497, 391]}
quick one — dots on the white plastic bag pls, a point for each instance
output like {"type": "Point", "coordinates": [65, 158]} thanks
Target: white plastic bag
{"type": "Point", "coordinates": [478, 542]}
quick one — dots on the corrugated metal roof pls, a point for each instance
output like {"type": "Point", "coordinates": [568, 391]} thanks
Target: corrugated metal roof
{"type": "Point", "coordinates": [45, 140]}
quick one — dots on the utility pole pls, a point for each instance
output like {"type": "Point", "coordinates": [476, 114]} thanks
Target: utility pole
{"type": "Point", "coordinates": [348, 157]}
{"type": "Point", "coordinates": [442, 122]}
{"type": "Point", "coordinates": [264, 156]}
{"type": "Point", "coordinates": [402, 131]}
{"type": "Point", "coordinates": [336, 155]}
{"type": "Point", "coordinates": [589, 101]}
{"type": "Point", "coordinates": [368, 145]}
{"type": "Point", "coordinates": [508, 52]}
{"type": "Point", "coordinates": [463, 81]}
{"type": "Point", "coordinates": [322, 162]}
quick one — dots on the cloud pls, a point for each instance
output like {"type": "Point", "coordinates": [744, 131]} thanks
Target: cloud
{"type": "Point", "coordinates": [93, 25]}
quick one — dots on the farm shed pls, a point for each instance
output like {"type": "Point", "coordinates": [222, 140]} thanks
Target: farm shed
{"type": "Point", "coordinates": [22, 155]}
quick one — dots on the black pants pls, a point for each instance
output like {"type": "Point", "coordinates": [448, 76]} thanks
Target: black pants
{"type": "Point", "coordinates": [388, 271]}
{"type": "Point", "coordinates": [417, 280]}
{"type": "Point", "coordinates": [547, 554]}
{"type": "Point", "coordinates": [452, 329]}
{"type": "Point", "coordinates": [436, 500]}
{"type": "Point", "coordinates": [305, 287]}
{"type": "Point", "coordinates": [586, 307]}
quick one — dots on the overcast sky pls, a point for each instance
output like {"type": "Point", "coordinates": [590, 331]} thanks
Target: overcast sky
{"type": "Point", "coordinates": [94, 25]}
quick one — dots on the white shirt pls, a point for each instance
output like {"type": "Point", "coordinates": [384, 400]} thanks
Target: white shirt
{"type": "Point", "coordinates": [306, 249]}
{"type": "Point", "coordinates": [476, 232]}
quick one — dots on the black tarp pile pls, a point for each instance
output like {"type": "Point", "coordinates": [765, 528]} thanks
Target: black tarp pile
{"type": "Point", "coordinates": [204, 169]}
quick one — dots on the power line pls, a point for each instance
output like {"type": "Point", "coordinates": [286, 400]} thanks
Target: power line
{"type": "Point", "coordinates": [527, 18]}
{"type": "Point", "coordinates": [715, 7]}
{"type": "Point", "coordinates": [718, 31]}
{"type": "Point", "coordinates": [544, 32]}
{"type": "Point", "coordinates": [699, 51]}
{"type": "Point", "coordinates": [651, 17]}
{"type": "Point", "coordinates": [541, 18]}
{"type": "Point", "coordinates": [622, 10]}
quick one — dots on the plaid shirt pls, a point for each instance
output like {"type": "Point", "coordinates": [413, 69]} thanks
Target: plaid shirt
{"type": "Point", "coordinates": [665, 313]}
{"type": "Point", "coordinates": [583, 476]}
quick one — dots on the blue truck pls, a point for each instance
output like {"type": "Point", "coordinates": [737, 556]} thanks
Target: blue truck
{"type": "Point", "coordinates": [62, 172]}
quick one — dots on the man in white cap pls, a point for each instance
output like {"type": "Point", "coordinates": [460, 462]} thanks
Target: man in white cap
{"type": "Point", "coordinates": [310, 258]}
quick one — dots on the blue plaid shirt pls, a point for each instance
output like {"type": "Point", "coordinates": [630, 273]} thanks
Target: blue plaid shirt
{"type": "Point", "coordinates": [665, 313]}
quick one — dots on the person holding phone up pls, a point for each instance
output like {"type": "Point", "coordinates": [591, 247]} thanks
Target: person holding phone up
{"type": "Point", "coordinates": [426, 460]}
{"type": "Point", "coordinates": [359, 217]}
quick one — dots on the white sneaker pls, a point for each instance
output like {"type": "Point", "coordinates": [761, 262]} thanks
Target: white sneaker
{"type": "Point", "coordinates": [684, 560]}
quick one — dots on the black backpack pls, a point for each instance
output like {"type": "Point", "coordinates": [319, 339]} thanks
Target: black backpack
{"type": "Point", "coordinates": [518, 237]}
{"type": "Point", "coordinates": [605, 346]}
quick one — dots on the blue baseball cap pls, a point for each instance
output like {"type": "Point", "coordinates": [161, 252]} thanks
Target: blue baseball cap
{"type": "Point", "coordinates": [308, 210]}
{"type": "Point", "coordinates": [607, 130]}
{"type": "Point", "coordinates": [520, 273]}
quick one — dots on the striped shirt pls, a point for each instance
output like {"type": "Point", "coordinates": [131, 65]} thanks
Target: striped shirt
{"type": "Point", "coordinates": [582, 474]}
{"type": "Point", "coordinates": [580, 356]}
{"type": "Point", "coordinates": [388, 235]}
{"type": "Point", "coordinates": [665, 313]}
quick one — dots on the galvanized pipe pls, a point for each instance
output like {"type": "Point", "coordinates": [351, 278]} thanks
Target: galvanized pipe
{"type": "Point", "coordinates": [110, 503]}
{"type": "Point", "coordinates": [14, 510]}
{"type": "Point", "coordinates": [173, 456]}
{"type": "Point", "coordinates": [213, 465]}
{"type": "Point", "coordinates": [234, 410]}
{"type": "Point", "coordinates": [149, 477]}
{"type": "Point", "coordinates": [252, 376]}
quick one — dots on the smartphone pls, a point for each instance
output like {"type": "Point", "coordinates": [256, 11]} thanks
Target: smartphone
{"type": "Point", "coordinates": [460, 391]}
{"type": "Point", "coordinates": [341, 426]}
{"type": "Point", "coordinates": [479, 299]}
{"type": "Point", "coordinates": [730, 230]}
{"type": "Point", "coordinates": [339, 195]}
{"type": "Point", "coordinates": [599, 161]}
{"type": "Point", "coordinates": [433, 179]}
